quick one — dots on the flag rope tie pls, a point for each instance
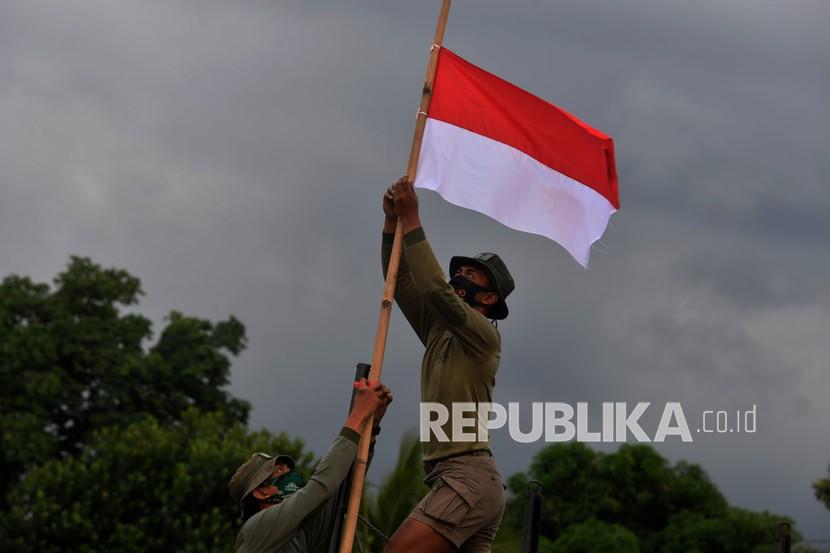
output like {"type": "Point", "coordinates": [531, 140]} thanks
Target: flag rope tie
{"type": "Point", "coordinates": [600, 247]}
{"type": "Point", "coordinates": [433, 46]}
{"type": "Point", "coordinates": [420, 113]}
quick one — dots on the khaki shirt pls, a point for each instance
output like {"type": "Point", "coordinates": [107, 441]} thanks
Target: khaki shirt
{"type": "Point", "coordinates": [275, 529]}
{"type": "Point", "coordinates": [463, 347]}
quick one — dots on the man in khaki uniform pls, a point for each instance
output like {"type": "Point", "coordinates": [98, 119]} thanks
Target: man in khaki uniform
{"type": "Point", "coordinates": [464, 506]}
{"type": "Point", "coordinates": [280, 513]}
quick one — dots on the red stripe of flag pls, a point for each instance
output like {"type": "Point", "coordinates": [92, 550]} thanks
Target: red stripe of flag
{"type": "Point", "coordinates": [469, 97]}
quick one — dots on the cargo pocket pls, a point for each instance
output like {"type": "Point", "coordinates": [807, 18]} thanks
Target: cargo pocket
{"type": "Point", "coordinates": [450, 500]}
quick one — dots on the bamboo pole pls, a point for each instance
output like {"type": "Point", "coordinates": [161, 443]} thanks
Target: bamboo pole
{"type": "Point", "coordinates": [350, 524]}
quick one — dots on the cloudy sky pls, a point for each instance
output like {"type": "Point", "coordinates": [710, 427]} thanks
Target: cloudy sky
{"type": "Point", "coordinates": [233, 156]}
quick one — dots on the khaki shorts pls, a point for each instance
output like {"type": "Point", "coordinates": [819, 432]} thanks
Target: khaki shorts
{"type": "Point", "coordinates": [465, 503]}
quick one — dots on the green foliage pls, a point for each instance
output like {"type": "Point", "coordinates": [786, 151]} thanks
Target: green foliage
{"type": "Point", "coordinates": [634, 487]}
{"type": "Point", "coordinates": [594, 536]}
{"type": "Point", "coordinates": [72, 362]}
{"type": "Point", "coordinates": [737, 531]}
{"type": "Point", "coordinates": [401, 490]}
{"type": "Point", "coordinates": [109, 442]}
{"type": "Point", "coordinates": [509, 540]}
{"type": "Point", "coordinates": [821, 488]}
{"type": "Point", "coordinates": [146, 487]}
{"type": "Point", "coordinates": [592, 498]}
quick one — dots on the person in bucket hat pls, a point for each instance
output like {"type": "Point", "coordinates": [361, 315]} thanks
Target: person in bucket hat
{"type": "Point", "coordinates": [498, 281]}
{"type": "Point", "coordinates": [455, 320]}
{"type": "Point", "coordinates": [281, 512]}
{"type": "Point", "coordinates": [254, 481]}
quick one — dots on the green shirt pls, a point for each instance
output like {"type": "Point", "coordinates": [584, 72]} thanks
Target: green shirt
{"type": "Point", "coordinates": [463, 347]}
{"type": "Point", "coordinates": [276, 529]}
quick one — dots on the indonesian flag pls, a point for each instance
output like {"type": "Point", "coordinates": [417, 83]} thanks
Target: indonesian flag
{"type": "Point", "coordinates": [499, 150]}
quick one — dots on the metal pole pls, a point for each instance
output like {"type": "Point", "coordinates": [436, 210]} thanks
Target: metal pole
{"type": "Point", "coordinates": [532, 517]}
{"type": "Point", "coordinates": [362, 371]}
{"type": "Point", "coordinates": [783, 538]}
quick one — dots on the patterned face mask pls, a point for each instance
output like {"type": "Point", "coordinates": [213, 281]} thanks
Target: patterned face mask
{"type": "Point", "coordinates": [286, 484]}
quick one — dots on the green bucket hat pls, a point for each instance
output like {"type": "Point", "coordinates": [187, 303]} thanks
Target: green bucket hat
{"type": "Point", "coordinates": [500, 278]}
{"type": "Point", "coordinates": [254, 472]}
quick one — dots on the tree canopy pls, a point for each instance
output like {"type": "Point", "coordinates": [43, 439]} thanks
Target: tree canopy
{"type": "Point", "coordinates": [635, 498]}
{"type": "Point", "coordinates": [821, 488]}
{"type": "Point", "coordinates": [112, 441]}
{"type": "Point", "coordinates": [144, 487]}
{"type": "Point", "coordinates": [73, 360]}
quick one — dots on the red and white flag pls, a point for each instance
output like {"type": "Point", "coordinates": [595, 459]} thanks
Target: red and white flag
{"type": "Point", "coordinates": [499, 150]}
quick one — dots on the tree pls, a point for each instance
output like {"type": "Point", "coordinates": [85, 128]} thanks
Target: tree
{"type": "Point", "coordinates": [144, 487]}
{"type": "Point", "coordinates": [73, 361]}
{"type": "Point", "coordinates": [571, 471]}
{"type": "Point", "coordinates": [594, 536]}
{"type": "Point", "coordinates": [592, 498]}
{"type": "Point", "coordinates": [821, 488]}
{"type": "Point", "coordinates": [737, 531]}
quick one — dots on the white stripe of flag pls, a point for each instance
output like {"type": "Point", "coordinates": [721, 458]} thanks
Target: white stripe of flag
{"type": "Point", "coordinates": [510, 169]}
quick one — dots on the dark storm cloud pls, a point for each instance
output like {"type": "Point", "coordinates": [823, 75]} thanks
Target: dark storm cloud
{"type": "Point", "coordinates": [751, 280]}
{"type": "Point", "coordinates": [233, 157]}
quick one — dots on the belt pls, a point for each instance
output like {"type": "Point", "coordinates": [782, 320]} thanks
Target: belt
{"type": "Point", "coordinates": [430, 465]}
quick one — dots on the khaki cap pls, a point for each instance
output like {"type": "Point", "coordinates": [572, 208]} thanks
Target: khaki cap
{"type": "Point", "coordinates": [254, 472]}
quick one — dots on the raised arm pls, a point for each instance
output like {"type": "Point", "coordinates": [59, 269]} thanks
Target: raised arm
{"type": "Point", "coordinates": [478, 336]}
{"type": "Point", "coordinates": [410, 302]}
{"type": "Point", "coordinates": [276, 523]}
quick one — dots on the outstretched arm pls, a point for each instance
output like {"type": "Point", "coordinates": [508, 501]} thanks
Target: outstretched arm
{"type": "Point", "coordinates": [473, 330]}
{"type": "Point", "coordinates": [270, 527]}
{"type": "Point", "coordinates": [410, 302]}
